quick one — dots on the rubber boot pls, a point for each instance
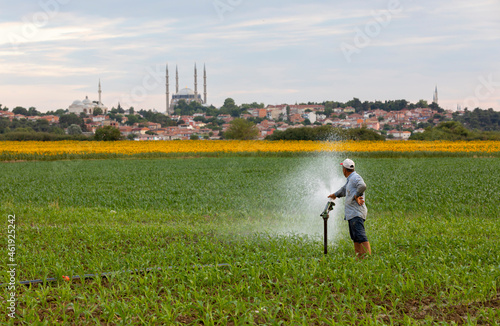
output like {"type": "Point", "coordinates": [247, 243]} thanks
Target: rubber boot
{"type": "Point", "coordinates": [365, 249]}
{"type": "Point", "coordinates": [357, 250]}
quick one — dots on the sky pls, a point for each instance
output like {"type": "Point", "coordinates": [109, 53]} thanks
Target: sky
{"type": "Point", "coordinates": [53, 52]}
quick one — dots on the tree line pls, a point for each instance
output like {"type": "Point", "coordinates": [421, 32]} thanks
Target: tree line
{"type": "Point", "coordinates": [454, 130]}
{"type": "Point", "coordinates": [484, 120]}
{"type": "Point", "coordinates": [325, 133]}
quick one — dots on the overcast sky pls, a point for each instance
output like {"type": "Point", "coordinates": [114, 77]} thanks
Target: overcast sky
{"type": "Point", "coordinates": [53, 52]}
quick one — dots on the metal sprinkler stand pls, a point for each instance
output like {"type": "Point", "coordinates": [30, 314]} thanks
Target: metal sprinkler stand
{"type": "Point", "coordinates": [325, 215]}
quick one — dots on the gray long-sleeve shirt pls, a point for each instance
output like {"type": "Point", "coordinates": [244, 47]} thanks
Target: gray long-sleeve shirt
{"type": "Point", "coordinates": [355, 186]}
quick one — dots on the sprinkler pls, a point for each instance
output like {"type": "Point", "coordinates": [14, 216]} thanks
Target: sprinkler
{"type": "Point", "coordinates": [325, 215]}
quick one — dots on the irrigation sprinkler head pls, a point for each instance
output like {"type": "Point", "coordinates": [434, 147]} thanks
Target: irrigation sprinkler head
{"type": "Point", "coordinates": [328, 208]}
{"type": "Point", "coordinates": [325, 216]}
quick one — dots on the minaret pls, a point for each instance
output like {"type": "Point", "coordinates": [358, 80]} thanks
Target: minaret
{"type": "Point", "coordinates": [168, 93]}
{"type": "Point", "coordinates": [195, 83]}
{"type": "Point", "coordinates": [435, 97]}
{"type": "Point", "coordinates": [204, 85]}
{"type": "Point", "coordinates": [100, 103]}
{"type": "Point", "coordinates": [176, 80]}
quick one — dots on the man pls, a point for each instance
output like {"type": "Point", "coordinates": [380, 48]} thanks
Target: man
{"type": "Point", "coordinates": [355, 208]}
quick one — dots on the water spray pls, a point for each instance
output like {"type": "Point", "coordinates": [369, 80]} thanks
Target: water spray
{"type": "Point", "coordinates": [325, 215]}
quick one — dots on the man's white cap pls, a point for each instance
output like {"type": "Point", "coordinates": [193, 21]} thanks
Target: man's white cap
{"type": "Point", "coordinates": [348, 164]}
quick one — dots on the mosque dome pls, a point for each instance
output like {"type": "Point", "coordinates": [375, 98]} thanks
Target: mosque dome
{"type": "Point", "coordinates": [86, 101]}
{"type": "Point", "coordinates": [77, 103]}
{"type": "Point", "coordinates": [186, 91]}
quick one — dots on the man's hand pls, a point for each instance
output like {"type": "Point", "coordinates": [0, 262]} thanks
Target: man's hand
{"type": "Point", "coordinates": [332, 196]}
{"type": "Point", "coordinates": [359, 200]}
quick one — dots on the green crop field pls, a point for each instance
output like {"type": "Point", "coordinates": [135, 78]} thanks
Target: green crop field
{"type": "Point", "coordinates": [238, 241]}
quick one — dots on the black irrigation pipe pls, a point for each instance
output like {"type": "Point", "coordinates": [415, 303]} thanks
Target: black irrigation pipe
{"type": "Point", "coordinates": [329, 206]}
{"type": "Point", "coordinates": [104, 275]}
{"type": "Point", "coordinates": [108, 274]}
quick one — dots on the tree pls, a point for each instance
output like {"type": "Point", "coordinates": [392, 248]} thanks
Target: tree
{"type": "Point", "coordinates": [328, 108]}
{"type": "Point", "coordinates": [131, 119]}
{"type": "Point", "coordinates": [74, 130]}
{"type": "Point", "coordinates": [308, 133]}
{"type": "Point", "coordinates": [438, 117]}
{"type": "Point", "coordinates": [253, 105]}
{"type": "Point", "coordinates": [70, 119]}
{"type": "Point", "coordinates": [242, 129]}
{"type": "Point", "coordinates": [58, 131]}
{"type": "Point", "coordinates": [449, 130]}
{"type": "Point", "coordinates": [486, 120]}
{"type": "Point", "coordinates": [181, 108]}
{"type": "Point", "coordinates": [4, 125]}
{"type": "Point", "coordinates": [33, 111]}
{"type": "Point", "coordinates": [355, 103]}
{"type": "Point", "coordinates": [229, 103]}
{"type": "Point", "coordinates": [364, 134]}
{"type": "Point", "coordinates": [421, 104]}
{"type": "Point", "coordinates": [107, 133]}
{"type": "Point", "coordinates": [98, 111]}
{"type": "Point", "coordinates": [231, 108]}
{"type": "Point", "coordinates": [42, 125]}
{"type": "Point", "coordinates": [60, 112]}
{"type": "Point", "coordinates": [20, 110]}
{"type": "Point", "coordinates": [436, 107]}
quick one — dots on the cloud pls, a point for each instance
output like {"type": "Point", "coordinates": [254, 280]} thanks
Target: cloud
{"type": "Point", "coordinates": [260, 51]}
{"type": "Point", "coordinates": [43, 70]}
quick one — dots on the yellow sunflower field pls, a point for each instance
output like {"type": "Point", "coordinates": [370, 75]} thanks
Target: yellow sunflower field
{"type": "Point", "coordinates": [12, 150]}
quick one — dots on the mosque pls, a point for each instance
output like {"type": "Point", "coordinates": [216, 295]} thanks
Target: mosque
{"type": "Point", "coordinates": [186, 94]}
{"type": "Point", "coordinates": [87, 106]}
